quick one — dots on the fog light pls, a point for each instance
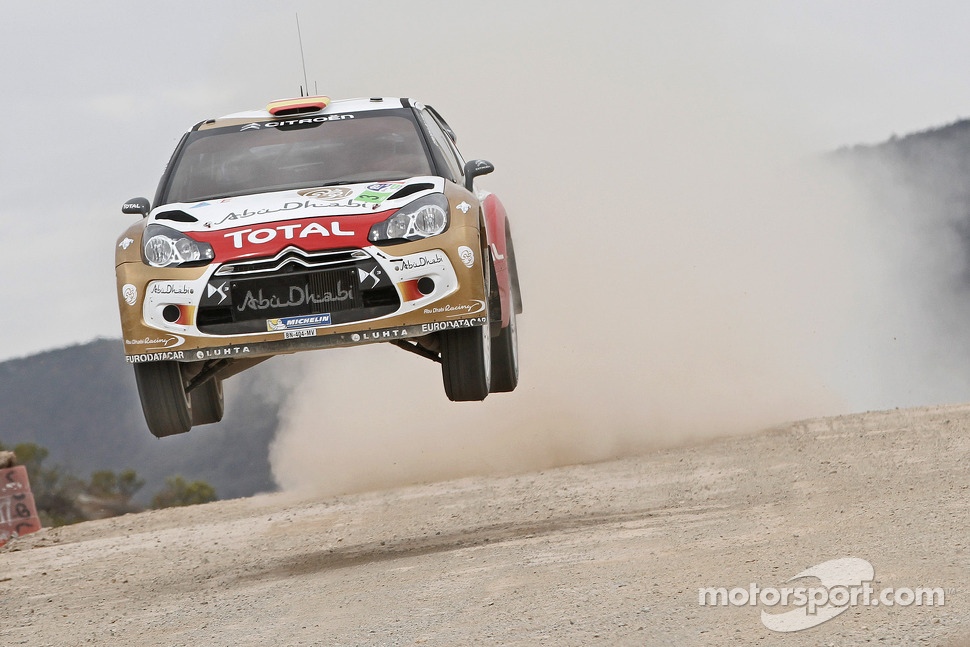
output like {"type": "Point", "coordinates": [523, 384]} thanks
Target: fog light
{"type": "Point", "coordinates": [426, 285]}
{"type": "Point", "coordinates": [171, 313]}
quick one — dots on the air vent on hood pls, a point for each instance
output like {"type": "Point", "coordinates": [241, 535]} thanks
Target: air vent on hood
{"type": "Point", "coordinates": [177, 216]}
{"type": "Point", "coordinates": [411, 190]}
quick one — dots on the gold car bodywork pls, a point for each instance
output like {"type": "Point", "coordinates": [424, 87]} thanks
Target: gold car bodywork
{"type": "Point", "coordinates": [148, 340]}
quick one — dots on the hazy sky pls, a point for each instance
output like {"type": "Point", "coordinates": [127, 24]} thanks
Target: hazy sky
{"type": "Point", "coordinates": [570, 93]}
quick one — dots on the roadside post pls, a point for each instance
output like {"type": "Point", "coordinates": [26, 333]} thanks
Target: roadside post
{"type": "Point", "coordinates": [18, 513]}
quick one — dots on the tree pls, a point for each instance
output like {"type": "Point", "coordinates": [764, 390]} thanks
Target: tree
{"type": "Point", "coordinates": [107, 484]}
{"type": "Point", "coordinates": [179, 492]}
{"type": "Point", "coordinates": [129, 483]}
{"type": "Point", "coordinates": [109, 494]}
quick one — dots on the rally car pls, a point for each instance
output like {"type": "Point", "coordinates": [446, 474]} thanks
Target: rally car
{"type": "Point", "coordinates": [315, 224]}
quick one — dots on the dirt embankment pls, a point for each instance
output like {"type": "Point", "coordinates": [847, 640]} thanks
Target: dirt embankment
{"type": "Point", "coordinates": [612, 553]}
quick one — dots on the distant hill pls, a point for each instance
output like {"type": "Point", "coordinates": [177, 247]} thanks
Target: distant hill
{"type": "Point", "coordinates": [924, 176]}
{"type": "Point", "coordinates": [81, 403]}
{"type": "Point", "coordinates": [921, 185]}
{"type": "Point", "coordinates": [949, 141]}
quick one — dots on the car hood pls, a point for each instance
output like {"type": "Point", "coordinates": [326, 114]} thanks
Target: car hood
{"type": "Point", "coordinates": [343, 200]}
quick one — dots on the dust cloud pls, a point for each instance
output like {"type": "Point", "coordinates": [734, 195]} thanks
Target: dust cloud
{"type": "Point", "coordinates": [722, 297]}
{"type": "Point", "coordinates": [690, 268]}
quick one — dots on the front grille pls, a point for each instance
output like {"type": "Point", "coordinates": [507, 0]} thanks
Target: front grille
{"type": "Point", "coordinates": [350, 288]}
{"type": "Point", "coordinates": [292, 260]}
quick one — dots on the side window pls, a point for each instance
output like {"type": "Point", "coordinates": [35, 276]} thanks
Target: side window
{"type": "Point", "coordinates": [438, 119]}
{"type": "Point", "coordinates": [444, 148]}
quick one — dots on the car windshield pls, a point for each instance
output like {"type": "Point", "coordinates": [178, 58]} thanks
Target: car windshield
{"type": "Point", "coordinates": [244, 159]}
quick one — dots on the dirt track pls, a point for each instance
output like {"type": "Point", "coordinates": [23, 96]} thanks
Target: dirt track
{"type": "Point", "coordinates": [612, 553]}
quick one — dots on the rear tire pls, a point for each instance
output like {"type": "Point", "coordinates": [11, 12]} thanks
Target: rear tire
{"type": "Point", "coordinates": [505, 358]}
{"type": "Point", "coordinates": [166, 405]}
{"type": "Point", "coordinates": [466, 363]}
{"type": "Point", "coordinates": [207, 402]}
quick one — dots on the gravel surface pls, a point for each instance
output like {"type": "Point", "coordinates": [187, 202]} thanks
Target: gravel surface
{"type": "Point", "coordinates": [612, 553]}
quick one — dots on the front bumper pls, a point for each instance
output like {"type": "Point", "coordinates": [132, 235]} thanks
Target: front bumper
{"type": "Point", "coordinates": [310, 339]}
{"type": "Point", "coordinates": [298, 301]}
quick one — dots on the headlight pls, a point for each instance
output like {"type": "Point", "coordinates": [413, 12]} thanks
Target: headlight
{"type": "Point", "coordinates": [425, 217]}
{"type": "Point", "coordinates": [165, 247]}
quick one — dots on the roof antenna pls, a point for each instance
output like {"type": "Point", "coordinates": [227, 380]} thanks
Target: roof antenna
{"type": "Point", "coordinates": [299, 35]}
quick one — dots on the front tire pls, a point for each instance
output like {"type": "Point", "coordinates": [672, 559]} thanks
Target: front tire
{"type": "Point", "coordinates": [166, 405]}
{"type": "Point", "coordinates": [466, 363]}
{"type": "Point", "coordinates": [207, 402]}
{"type": "Point", "coordinates": [466, 354]}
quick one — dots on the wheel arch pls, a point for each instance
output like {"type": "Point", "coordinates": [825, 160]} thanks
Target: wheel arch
{"type": "Point", "coordinates": [495, 244]}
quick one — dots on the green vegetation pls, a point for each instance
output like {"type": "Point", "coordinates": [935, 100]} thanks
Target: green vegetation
{"type": "Point", "coordinates": [105, 483]}
{"type": "Point", "coordinates": [63, 498]}
{"type": "Point", "coordinates": [179, 492]}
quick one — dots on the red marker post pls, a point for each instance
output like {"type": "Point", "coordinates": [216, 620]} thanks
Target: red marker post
{"type": "Point", "coordinates": [18, 513]}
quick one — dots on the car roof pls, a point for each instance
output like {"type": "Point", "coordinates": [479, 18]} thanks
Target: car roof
{"type": "Point", "coordinates": [335, 106]}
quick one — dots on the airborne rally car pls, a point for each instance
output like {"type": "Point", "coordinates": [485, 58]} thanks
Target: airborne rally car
{"type": "Point", "coordinates": [314, 224]}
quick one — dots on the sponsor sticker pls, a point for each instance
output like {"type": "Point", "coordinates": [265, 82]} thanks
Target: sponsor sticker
{"type": "Point", "coordinates": [292, 205]}
{"type": "Point", "coordinates": [168, 288]}
{"type": "Point", "coordinates": [228, 351]}
{"type": "Point", "coordinates": [460, 310]}
{"type": "Point", "coordinates": [452, 325]}
{"type": "Point", "coordinates": [294, 122]}
{"type": "Point", "coordinates": [463, 206]}
{"type": "Point", "coordinates": [307, 321]}
{"type": "Point", "coordinates": [155, 357]}
{"type": "Point", "coordinates": [130, 293]}
{"type": "Point", "coordinates": [327, 193]}
{"type": "Point", "coordinates": [126, 243]}
{"type": "Point", "coordinates": [466, 255]}
{"type": "Point", "coordinates": [380, 335]}
{"type": "Point", "coordinates": [379, 192]}
{"type": "Point", "coordinates": [295, 297]}
{"type": "Point", "coordinates": [418, 261]}
{"type": "Point", "coordinates": [171, 342]}
{"type": "Point", "coordinates": [287, 232]}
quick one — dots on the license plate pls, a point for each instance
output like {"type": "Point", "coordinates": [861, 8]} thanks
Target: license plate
{"type": "Point", "coordinates": [297, 334]}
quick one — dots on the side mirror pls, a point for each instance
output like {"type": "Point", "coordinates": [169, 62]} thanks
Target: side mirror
{"type": "Point", "coordinates": [139, 206]}
{"type": "Point", "coordinates": [474, 168]}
